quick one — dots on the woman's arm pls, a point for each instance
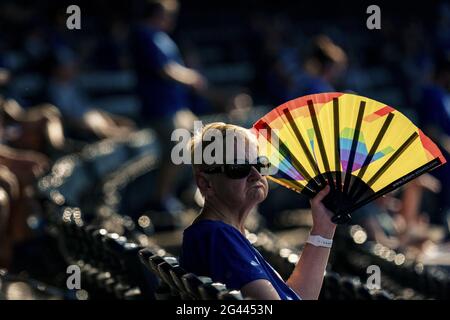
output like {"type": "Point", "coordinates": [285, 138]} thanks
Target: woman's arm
{"type": "Point", "coordinates": [260, 289]}
{"type": "Point", "coordinates": [307, 277]}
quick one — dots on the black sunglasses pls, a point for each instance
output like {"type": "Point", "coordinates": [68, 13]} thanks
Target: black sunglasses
{"type": "Point", "coordinates": [239, 171]}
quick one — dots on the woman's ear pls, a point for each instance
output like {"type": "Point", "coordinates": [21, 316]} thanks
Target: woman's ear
{"type": "Point", "coordinates": [203, 183]}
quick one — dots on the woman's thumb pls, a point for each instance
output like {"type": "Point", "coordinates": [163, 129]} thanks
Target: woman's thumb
{"type": "Point", "coordinates": [322, 194]}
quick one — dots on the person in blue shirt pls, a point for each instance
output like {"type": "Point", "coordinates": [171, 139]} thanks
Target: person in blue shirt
{"type": "Point", "coordinates": [322, 68]}
{"type": "Point", "coordinates": [80, 118]}
{"type": "Point", "coordinates": [215, 244]}
{"type": "Point", "coordinates": [163, 84]}
{"type": "Point", "coordinates": [434, 116]}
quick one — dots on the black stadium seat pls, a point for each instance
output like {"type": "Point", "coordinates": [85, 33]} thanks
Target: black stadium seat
{"type": "Point", "coordinates": [164, 271]}
{"type": "Point", "coordinates": [382, 295]}
{"type": "Point", "coordinates": [167, 288]}
{"type": "Point", "coordinates": [193, 283]}
{"type": "Point", "coordinates": [128, 266]}
{"type": "Point", "coordinates": [363, 293]}
{"type": "Point", "coordinates": [331, 286]}
{"type": "Point", "coordinates": [144, 256]}
{"type": "Point", "coordinates": [155, 260]}
{"type": "Point", "coordinates": [348, 289]}
{"type": "Point", "coordinates": [177, 273]}
{"type": "Point", "coordinates": [230, 295]}
{"type": "Point", "coordinates": [212, 291]}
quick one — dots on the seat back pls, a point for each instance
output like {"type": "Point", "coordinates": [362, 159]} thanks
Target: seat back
{"type": "Point", "coordinates": [192, 284]}
{"type": "Point", "coordinates": [212, 291]}
{"type": "Point", "coordinates": [231, 295]}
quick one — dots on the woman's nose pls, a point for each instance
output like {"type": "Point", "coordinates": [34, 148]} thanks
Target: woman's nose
{"type": "Point", "coordinates": [254, 175]}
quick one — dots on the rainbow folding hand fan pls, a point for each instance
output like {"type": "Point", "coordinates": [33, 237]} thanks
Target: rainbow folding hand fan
{"type": "Point", "coordinates": [362, 148]}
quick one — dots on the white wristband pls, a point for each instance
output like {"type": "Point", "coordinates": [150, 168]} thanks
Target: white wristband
{"type": "Point", "coordinates": [319, 241]}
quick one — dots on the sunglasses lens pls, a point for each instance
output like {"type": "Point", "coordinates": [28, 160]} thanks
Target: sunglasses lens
{"type": "Point", "coordinates": [238, 171]}
{"type": "Point", "coordinates": [263, 165]}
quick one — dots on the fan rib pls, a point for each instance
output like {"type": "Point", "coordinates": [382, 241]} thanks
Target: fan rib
{"type": "Point", "coordinates": [373, 149]}
{"type": "Point", "coordinates": [312, 113]}
{"type": "Point", "coordinates": [394, 157]}
{"type": "Point", "coordinates": [284, 151]}
{"type": "Point", "coordinates": [337, 144]}
{"type": "Point", "coordinates": [351, 158]}
{"type": "Point", "coordinates": [390, 161]}
{"type": "Point", "coordinates": [300, 188]}
{"type": "Point", "coordinates": [398, 183]}
{"type": "Point", "coordinates": [302, 142]}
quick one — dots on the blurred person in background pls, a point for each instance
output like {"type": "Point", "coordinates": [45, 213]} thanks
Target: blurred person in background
{"type": "Point", "coordinates": [19, 171]}
{"type": "Point", "coordinates": [323, 67]}
{"type": "Point", "coordinates": [9, 192]}
{"type": "Point", "coordinates": [274, 57]}
{"type": "Point", "coordinates": [400, 219]}
{"type": "Point", "coordinates": [434, 114]}
{"type": "Point", "coordinates": [289, 76]}
{"type": "Point", "coordinates": [163, 84]}
{"type": "Point", "coordinates": [435, 111]}
{"type": "Point", "coordinates": [415, 210]}
{"type": "Point", "coordinates": [4, 215]}
{"type": "Point", "coordinates": [81, 119]}
{"type": "Point", "coordinates": [37, 128]}
{"type": "Point", "coordinates": [28, 137]}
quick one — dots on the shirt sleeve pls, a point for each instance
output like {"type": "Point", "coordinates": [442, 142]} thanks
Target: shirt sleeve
{"type": "Point", "coordinates": [157, 51]}
{"type": "Point", "coordinates": [233, 261]}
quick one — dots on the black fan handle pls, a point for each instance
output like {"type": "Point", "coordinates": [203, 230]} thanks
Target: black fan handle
{"type": "Point", "coordinates": [337, 202]}
{"type": "Point", "coordinates": [341, 218]}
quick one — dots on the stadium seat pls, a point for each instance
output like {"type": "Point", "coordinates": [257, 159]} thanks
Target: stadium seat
{"type": "Point", "coordinates": [167, 289]}
{"type": "Point", "coordinates": [164, 271]}
{"type": "Point", "coordinates": [212, 291]}
{"type": "Point", "coordinates": [104, 157]}
{"type": "Point", "coordinates": [177, 273]}
{"type": "Point", "coordinates": [230, 295]}
{"type": "Point", "coordinates": [348, 289]}
{"type": "Point", "coordinates": [193, 283]}
{"type": "Point", "coordinates": [382, 295]}
{"type": "Point", "coordinates": [363, 293]}
{"type": "Point", "coordinates": [331, 286]}
{"type": "Point", "coordinates": [155, 260]}
{"type": "Point", "coordinates": [144, 256]}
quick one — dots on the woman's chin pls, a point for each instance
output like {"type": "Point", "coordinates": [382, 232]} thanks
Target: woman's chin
{"type": "Point", "coordinates": [257, 195]}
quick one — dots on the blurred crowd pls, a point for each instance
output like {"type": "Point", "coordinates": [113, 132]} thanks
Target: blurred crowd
{"type": "Point", "coordinates": [163, 64]}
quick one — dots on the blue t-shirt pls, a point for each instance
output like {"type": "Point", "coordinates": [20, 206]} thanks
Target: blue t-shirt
{"type": "Point", "coordinates": [152, 49]}
{"type": "Point", "coordinates": [218, 250]}
{"type": "Point", "coordinates": [436, 107]}
{"type": "Point", "coordinates": [69, 99]}
{"type": "Point", "coordinates": [306, 84]}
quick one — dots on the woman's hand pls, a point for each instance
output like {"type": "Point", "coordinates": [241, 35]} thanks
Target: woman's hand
{"type": "Point", "coordinates": [307, 277]}
{"type": "Point", "coordinates": [321, 216]}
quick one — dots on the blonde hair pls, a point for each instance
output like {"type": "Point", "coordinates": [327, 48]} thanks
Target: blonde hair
{"type": "Point", "coordinates": [198, 143]}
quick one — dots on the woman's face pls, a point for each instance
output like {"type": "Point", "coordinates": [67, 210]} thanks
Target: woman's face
{"type": "Point", "coordinates": [245, 192]}
{"type": "Point", "coordinates": [248, 191]}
